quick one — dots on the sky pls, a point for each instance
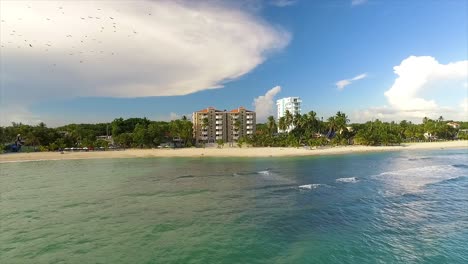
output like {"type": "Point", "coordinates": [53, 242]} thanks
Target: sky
{"type": "Point", "coordinates": [91, 61]}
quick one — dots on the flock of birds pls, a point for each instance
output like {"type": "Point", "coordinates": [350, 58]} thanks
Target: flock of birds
{"type": "Point", "coordinates": [105, 24]}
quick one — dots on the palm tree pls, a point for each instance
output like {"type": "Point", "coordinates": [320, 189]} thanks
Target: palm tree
{"type": "Point", "coordinates": [205, 123]}
{"type": "Point", "coordinates": [288, 119]}
{"type": "Point", "coordinates": [341, 121]}
{"type": "Point", "coordinates": [297, 120]}
{"type": "Point", "coordinates": [312, 119]}
{"type": "Point", "coordinates": [237, 125]}
{"type": "Point", "coordinates": [425, 120]}
{"type": "Point", "coordinates": [271, 124]}
{"type": "Point", "coordinates": [282, 124]}
{"type": "Point", "coordinates": [332, 125]}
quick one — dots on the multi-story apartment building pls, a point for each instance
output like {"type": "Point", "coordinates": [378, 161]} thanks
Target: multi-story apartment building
{"type": "Point", "coordinates": [291, 104]}
{"type": "Point", "coordinates": [210, 124]}
{"type": "Point", "coordinates": [240, 122]}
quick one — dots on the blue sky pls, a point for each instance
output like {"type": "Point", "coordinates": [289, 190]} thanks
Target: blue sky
{"type": "Point", "coordinates": [162, 67]}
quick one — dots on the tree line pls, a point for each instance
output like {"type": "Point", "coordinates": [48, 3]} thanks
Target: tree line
{"type": "Point", "coordinates": [125, 133]}
{"type": "Point", "coordinates": [309, 130]}
{"type": "Point", "coordinates": [295, 130]}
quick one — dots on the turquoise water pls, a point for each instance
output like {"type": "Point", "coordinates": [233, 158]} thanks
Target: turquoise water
{"type": "Point", "coordinates": [395, 207]}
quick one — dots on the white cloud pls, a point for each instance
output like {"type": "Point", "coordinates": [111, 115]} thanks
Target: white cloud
{"type": "Point", "coordinates": [358, 2]}
{"type": "Point", "coordinates": [264, 104]}
{"type": "Point", "coordinates": [419, 76]}
{"type": "Point", "coordinates": [283, 3]}
{"type": "Point", "coordinates": [360, 77]}
{"type": "Point", "coordinates": [464, 106]}
{"type": "Point", "coordinates": [343, 83]}
{"type": "Point", "coordinates": [64, 49]}
{"type": "Point", "coordinates": [415, 75]}
{"type": "Point", "coordinates": [17, 114]}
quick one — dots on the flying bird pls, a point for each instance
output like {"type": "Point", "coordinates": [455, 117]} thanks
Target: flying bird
{"type": "Point", "coordinates": [111, 17]}
{"type": "Point", "coordinates": [30, 45]}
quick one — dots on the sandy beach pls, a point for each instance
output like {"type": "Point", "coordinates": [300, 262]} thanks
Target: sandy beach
{"type": "Point", "coordinates": [226, 152]}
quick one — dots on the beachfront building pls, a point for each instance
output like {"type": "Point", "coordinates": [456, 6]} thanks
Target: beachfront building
{"type": "Point", "coordinates": [291, 104]}
{"type": "Point", "coordinates": [240, 122]}
{"type": "Point", "coordinates": [208, 125]}
{"type": "Point", "coordinates": [211, 125]}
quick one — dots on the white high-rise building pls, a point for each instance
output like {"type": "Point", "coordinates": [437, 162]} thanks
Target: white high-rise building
{"type": "Point", "coordinates": [291, 104]}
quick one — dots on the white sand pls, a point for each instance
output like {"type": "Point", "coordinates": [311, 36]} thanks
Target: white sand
{"type": "Point", "coordinates": [225, 152]}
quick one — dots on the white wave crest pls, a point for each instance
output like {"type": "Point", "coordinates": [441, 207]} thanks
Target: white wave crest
{"type": "Point", "coordinates": [265, 172]}
{"type": "Point", "coordinates": [310, 186]}
{"type": "Point", "coordinates": [347, 180]}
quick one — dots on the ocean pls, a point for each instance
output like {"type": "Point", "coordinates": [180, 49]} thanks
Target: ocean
{"type": "Point", "coordinates": [391, 207]}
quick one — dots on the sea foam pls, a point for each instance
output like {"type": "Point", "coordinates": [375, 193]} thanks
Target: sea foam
{"type": "Point", "coordinates": [310, 186]}
{"type": "Point", "coordinates": [347, 180]}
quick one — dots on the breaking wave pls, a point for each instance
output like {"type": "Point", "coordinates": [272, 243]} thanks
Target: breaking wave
{"type": "Point", "coordinates": [310, 186]}
{"type": "Point", "coordinates": [347, 180]}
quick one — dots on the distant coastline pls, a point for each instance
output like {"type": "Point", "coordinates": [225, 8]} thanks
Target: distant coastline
{"type": "Point", "coordinates": [228, 152]}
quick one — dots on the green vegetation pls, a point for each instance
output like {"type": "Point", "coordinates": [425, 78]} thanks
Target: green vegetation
{"type": "Point", "coordinates": [132, 132]}
{"type": "Point", "coordinates": [308, 130]}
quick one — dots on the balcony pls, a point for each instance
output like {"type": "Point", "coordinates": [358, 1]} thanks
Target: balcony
{"type": "Point", "coordinates": [249, 122]}
{"type": "Point", "coordinates": [219, 132]}
{"type": "Point", "coordinates": [219, 122]}
{"type": "Point", "coordinates": [249, 127]}
{"type": "Point", "coordinates": [249, 117]}
{"type": "Point", "coordinates": [219, 127]}
{"type": "Point", "coordinates": [249, 132]}
{"type": "Point", "coordinates": [219, 117]}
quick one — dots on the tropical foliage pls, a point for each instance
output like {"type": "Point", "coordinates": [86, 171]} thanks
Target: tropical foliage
{"type": "Point", "coordinates": [295, 131]}
{"type": "Point", "coordinates": [132, 132]}
{"type": "Point", "coordinates": [309, 130]}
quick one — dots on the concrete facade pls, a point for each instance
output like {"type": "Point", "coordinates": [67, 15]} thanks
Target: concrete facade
{"type": "Point", "coordinates": [210, 124]}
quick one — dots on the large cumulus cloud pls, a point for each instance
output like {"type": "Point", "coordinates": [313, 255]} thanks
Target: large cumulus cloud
{"type": "Point", "coordinates": [128, 48]}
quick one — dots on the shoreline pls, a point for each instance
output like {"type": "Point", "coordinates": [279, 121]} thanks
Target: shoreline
{"type": "Point", "coordinates": [227, 152]}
